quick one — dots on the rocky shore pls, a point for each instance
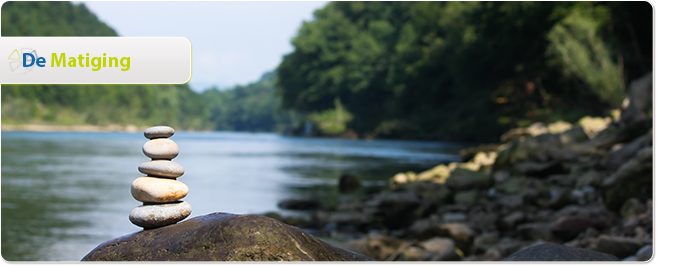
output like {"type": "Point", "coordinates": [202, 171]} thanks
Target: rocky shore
{"type": "Point", "coordinates": [585, 185]}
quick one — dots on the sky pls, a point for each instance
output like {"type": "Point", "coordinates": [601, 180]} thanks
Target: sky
{"type": "Point", "coordinates": [233, 43]}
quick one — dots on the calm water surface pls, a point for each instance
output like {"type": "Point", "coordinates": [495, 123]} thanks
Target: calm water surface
{"type": "Point", "coordinates": [65, 193]}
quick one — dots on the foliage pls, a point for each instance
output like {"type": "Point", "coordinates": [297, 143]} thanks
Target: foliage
{"type": "Point", "coordinates": [332, 121]}
{"type": "Point", "coordinates": [463, 70]}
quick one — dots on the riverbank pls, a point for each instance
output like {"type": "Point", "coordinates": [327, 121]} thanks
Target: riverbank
{"type": "Point", "coordinates": [71, 128]}
{"type": "Point", "coordinates": [587, 184]}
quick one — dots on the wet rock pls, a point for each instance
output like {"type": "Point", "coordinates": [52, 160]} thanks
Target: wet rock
{"type": "Point", "coordinates": [630, 258]}
{"type": "Point", "coordinates": [483, 221]}
{"type": "Point", "coordinates": [222, 237]}
{"type": "Point", "coordinates": [453, 217]}
{"type": "Point", "coordinates": [618, 246]}
{"type": "Point", "coordinates": [348, 183]}
{"type": "Point", "coordinates": [299, 204]}
{"type": "Point", "coordinates": [552, 252]}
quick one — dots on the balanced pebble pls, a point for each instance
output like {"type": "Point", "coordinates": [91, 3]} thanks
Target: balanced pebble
{"type": "Point", "coordinates": [162, 168]}
{"type": "Point", "coordinates": [158, 190]}
{"type": "Point", "coordinates": [158, 215]}
{"type": "Point", "coordinates": [159, 132]}
{"type": "Point", "coordinates": [161, 148]}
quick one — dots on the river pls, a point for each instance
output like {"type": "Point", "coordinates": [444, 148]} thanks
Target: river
{"type": "Point", "coordinates": [63, 193]}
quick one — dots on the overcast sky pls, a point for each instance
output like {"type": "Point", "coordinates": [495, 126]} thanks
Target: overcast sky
{"type": "Point", "coordinates": [233, 43]}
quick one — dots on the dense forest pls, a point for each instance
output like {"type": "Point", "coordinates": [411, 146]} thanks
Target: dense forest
{"type": "Point", "coordinates": [413, 70]}
{"type": "Point", "coordinates": [465, 70]}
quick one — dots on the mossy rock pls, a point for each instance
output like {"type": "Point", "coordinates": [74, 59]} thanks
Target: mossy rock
{"type": "Point", "coordinates": [553, 252]}
{"type": "Point", "coordinates": [222, 237]}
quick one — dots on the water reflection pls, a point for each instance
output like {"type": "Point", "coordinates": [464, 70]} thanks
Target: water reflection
{"type": "Point", "coordinates": [65, 193]}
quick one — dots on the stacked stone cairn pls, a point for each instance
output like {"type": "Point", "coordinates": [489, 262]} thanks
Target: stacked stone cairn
{"type": "Point", "coordinates": [159, 191]}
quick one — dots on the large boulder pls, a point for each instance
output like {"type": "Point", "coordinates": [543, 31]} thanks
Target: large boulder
{"type": "Point", "coordinates": [222, 237]}
{"type": "Point", "coordinates": [552, 252]}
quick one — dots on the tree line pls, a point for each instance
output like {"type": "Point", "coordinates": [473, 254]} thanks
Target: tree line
{"type": "Point", "coordinates": [413, 70]}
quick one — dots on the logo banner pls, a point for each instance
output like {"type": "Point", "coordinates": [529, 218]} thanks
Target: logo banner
{"type": "Point", "coordinates": [95, 60]}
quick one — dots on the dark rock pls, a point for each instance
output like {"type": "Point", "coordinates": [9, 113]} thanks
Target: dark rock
{"type": "Point", "coordinates": [468, 198]}
{"type": "Point", "coordinates": [537, 169]}
{"type": "Point", "coordinates": [618, 246]}
{"type": "Point", "coordinates": [590, 178]}
{"type": "Point", "coordinates": [568, 228]}
{"type": "Point", "coordinates": [644, 253]}
{"type": "Point", "coordinates": [633, 179]}
{"type": "Point", "coordinates": [222, 237]}
{"type": "Point", "coordinates": [429, 191]}
{"type": "Point", "coordinates": [631, 208]}
{"type": "Point", "coordinates": [618, 157]}
{"type": "Point", "coordinates": [640, 100]}
{"type": "Point", "coordinates": [512, 220]}
{"type": "Point", "coordinates": [378, 247]}
{"type": "Point", "coordinates": [484, 241]}
{"type": "Point", "coordinates": [535, 231]}
{"type": "Point", "coordinates": [464, 179]}
{"type": "Point", "coordinates": [575, 135]}
{"type": "Point", "coordinates": [396, 210]}
{"type": "Point", "coordinates": [552, 252]}
{"type": "Point", "coordinates": [349, 183]}
{"type": "Point", "coordinates": [461, 233]}
{"type": "Point", "coordinates": [299, 204]}
{"type": "Point", "coordinates": [447, 256]}
{"type": "Point", "coordinates": [504, 249]}
{"type": "Point", "coordinates": [513, 185]}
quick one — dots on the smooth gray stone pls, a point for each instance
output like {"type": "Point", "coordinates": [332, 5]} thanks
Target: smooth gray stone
{"type": "Point", "coordinates": [162, 168]}
{"type": "Point", "coordinates": [158, 215]}
{"type": "Point", "coordinates": [644, 253]}
{"type": "Point", "coordinates": [159, 132]}
{"type": "Point", "coordinates": [161, 148]}
{"type": "Point", "coordinates": [158, 190]}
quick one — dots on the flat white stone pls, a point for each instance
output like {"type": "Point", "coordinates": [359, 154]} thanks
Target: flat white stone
{"type": "Point", "coordinates": [158, 190]}
{"type": "Point", "coordinates": [162, 168]}
{"type": "Point", "coordinates": [158, 215]}
{"type": "Point", "coordinates": [161, 148]}
{"type": "Point", "coordinates": [159, 132]}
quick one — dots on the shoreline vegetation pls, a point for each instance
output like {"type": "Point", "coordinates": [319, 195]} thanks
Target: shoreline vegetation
{"type": "Point", "coordinates": [376, 70]}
